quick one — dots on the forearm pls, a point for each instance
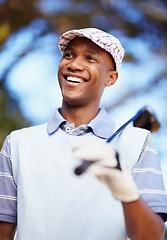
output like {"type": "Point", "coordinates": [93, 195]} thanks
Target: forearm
{"type": "Point", "coordinates": [141, 222]}
{"type": "Point", "coordinates": [7, 230]}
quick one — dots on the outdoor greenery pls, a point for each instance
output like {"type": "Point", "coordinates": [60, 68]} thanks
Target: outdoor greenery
{"type": "Point", "coordinates": [133, 18]}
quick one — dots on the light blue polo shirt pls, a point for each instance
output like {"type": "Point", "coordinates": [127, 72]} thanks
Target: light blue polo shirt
{"type": "Point", "coordinates": [102, 125]}
{"type": "Point", "coordinates": [41, 193]}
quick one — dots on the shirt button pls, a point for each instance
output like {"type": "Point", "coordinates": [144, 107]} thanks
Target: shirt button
{"type": "Point", "coordinates": [68, 129]}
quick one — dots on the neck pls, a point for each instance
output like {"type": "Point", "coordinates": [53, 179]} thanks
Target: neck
{"type": "Point", "coordinates": [78, 115]}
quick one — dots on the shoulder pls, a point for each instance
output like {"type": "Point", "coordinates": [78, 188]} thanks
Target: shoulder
{"type": "Point", "coordinates": [134, 132]}
{"type": "Point", "coordinates": [29, 130]}
{"type": "Point", "coordinates": [130, 144]}
{"type": "Point", "coordinates": [132, 136]}
{"type": "Point", "coordinates": [28, 134]}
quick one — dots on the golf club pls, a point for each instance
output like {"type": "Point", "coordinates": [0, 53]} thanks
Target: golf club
{"type": "Point", "coordinates": [144, 118]}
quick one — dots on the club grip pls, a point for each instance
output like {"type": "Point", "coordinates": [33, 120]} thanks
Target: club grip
{"type": "Point", "coordinates": [83, 167]}
{"type": "Point", "coordinates": [86, 164]}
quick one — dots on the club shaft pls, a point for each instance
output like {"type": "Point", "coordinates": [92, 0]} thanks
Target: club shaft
{"type": "Point", "coordinates": [86, 164]}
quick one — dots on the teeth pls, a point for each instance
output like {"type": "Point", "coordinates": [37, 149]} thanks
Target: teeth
{"type": "Point", "coordinates": [75, 79]}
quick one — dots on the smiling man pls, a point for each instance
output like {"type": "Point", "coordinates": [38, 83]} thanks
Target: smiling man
{"type": "Point", "coordinates": [84, 71]}
{"type": "Point", "coordinates": [39, 192]}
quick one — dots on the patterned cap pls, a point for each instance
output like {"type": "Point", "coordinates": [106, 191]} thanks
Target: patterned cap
{"type": "Point", "coordinates": [102, 39]}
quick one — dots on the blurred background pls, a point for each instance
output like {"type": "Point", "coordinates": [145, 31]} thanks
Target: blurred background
{"type": "Point", "coordinates": [29, 59]}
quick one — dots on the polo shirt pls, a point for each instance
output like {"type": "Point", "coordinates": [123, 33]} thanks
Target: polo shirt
{"type": "Point", "coordinates": [147, 166]}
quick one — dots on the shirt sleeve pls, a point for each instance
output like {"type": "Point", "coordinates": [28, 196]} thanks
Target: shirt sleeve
{"type": "Point", "coordinates": [149, 179]}
{"type": "Point", "coordinates": [8, 188]}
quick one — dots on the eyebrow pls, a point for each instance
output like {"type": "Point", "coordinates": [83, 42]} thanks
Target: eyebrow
{"type": "Point", "coordinates": [69, 49]}
{"type": "Point", "coordinates": [87, 51]}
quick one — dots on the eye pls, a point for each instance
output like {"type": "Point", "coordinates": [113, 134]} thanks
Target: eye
{"type": "Point", "coordinates": [68, 55]}
{"type": "Point", "coordinates": [91, 59]}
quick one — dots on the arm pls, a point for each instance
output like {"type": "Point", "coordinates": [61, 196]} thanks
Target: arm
{"type": "Point", "coordinates": [141, 222]}
{"type": "Point", "coordinates": [7, 230]}
{"type": "Point", "coordinates": [148, 223]}
{"type": "Point", "coordinates": [8, 191]}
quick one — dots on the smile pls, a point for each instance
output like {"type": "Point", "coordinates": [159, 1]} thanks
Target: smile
{"type": "Point", "coordinates": [75, 79]}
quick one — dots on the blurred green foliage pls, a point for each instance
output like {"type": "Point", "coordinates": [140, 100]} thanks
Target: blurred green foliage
{"type": "Point", "coordinates": [10, 115]}
{"type": "Point", "coordinates": [133, 18]}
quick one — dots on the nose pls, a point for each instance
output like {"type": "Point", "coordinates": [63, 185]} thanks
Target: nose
{"type": "Point", "coordinates": [76, 64]}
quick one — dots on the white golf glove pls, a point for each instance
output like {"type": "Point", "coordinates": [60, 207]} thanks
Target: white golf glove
{"type": "Point", "coordinates": [103, 157]}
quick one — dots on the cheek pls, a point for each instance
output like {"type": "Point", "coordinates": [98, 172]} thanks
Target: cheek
{"type": "Point", "coordinates": [62, 63]}
{"type": "Point", "coordinates": [60, 66]}
{"type": "Point", "coordinates": [101, 76]}
{"type": "Point", "coordinates": [58, 74]}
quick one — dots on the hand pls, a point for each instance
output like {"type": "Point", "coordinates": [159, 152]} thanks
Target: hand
{"type": "Point", "coordinates": [103, 157]}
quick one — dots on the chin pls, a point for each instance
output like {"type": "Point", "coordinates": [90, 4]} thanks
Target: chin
{"type": "Point", "coordinates": [73, 102]}
{"type": "Point", "coordinates": [70, 101]}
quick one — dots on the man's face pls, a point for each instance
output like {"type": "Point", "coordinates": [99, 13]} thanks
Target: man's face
{"type": "Point", "coordinates": [83, 73]}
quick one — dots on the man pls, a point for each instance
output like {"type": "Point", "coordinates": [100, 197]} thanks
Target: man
{"type": "Point", "coordinates": [39, 192]}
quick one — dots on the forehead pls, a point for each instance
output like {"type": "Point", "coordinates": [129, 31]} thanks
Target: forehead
{"type": "Point", "coordinates": [84, 42]}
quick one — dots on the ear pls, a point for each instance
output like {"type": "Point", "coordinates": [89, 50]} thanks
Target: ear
{"type": "Point", "coordinates": [112, 78]}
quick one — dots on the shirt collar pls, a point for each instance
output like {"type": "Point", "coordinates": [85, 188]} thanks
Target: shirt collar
{"type": "Point", "coordinates": [55, 121]}
{"type": "Point", "coordinates": [102, 125]}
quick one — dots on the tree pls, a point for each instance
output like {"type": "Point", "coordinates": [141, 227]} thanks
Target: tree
{"type": "Point", "coordinates": [10, 115]}
{"type": "Point", "coordinates": [135, 19]}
